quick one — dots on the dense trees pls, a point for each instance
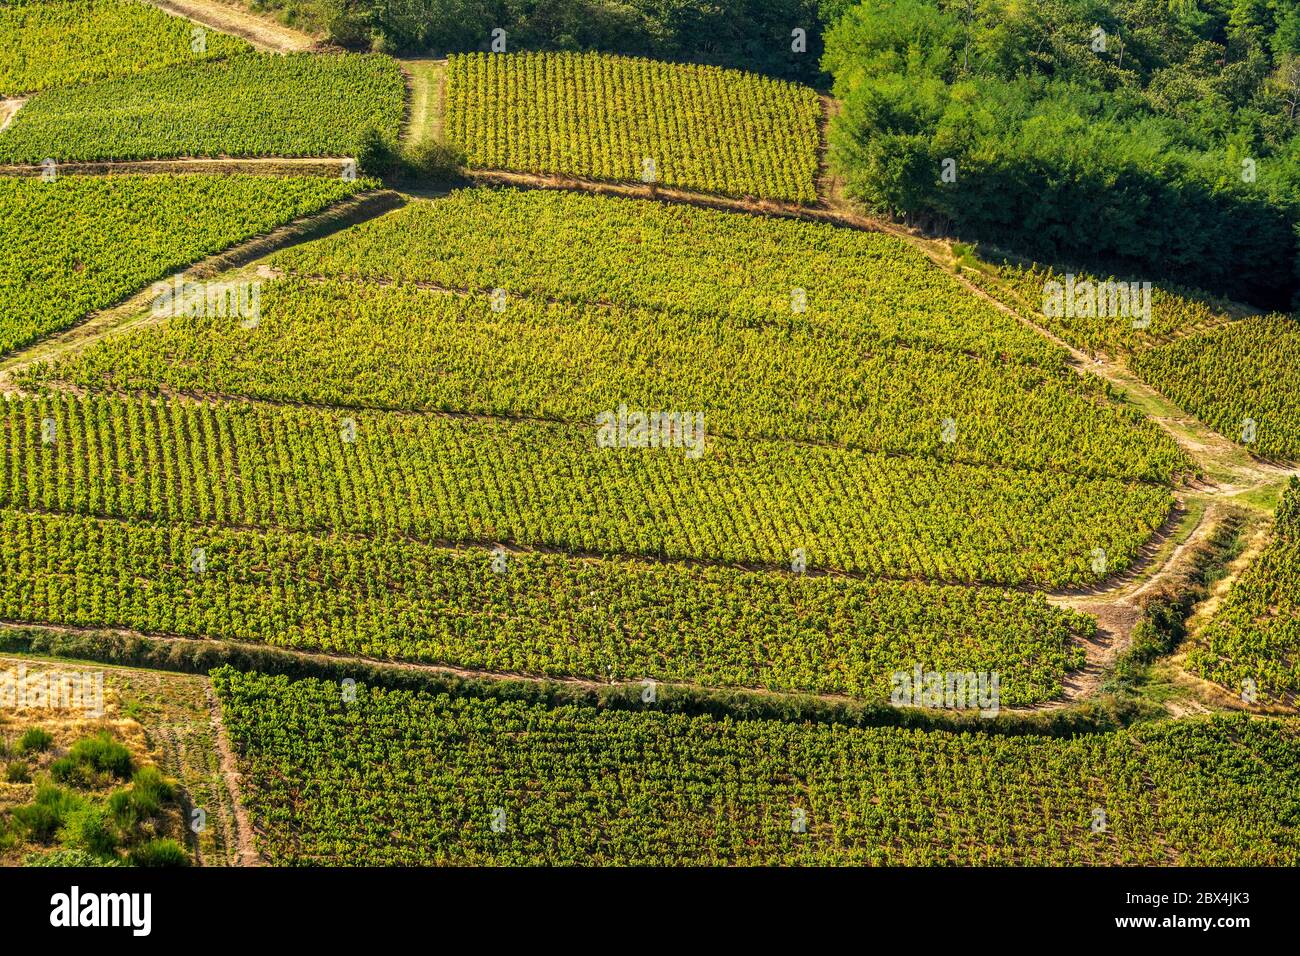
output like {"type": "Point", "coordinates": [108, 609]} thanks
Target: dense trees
{"type": "Point", "coordinates": [1114, 135]}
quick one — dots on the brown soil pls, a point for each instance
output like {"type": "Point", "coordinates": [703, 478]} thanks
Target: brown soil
{"type": "Point", "coordinates": [260, 32]}
{"type": "Point", "coordinates": [246, 849]}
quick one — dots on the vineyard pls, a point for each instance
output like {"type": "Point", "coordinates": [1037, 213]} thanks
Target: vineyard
{"type": "Point", "coordinates": [253, 105]}
{"type": "Point", "coordinates": [75, 245]}
{"type": "Point", "coordinates": [48, 43]}
{"type": "Point", "coordinates": [402, 778]}
{"type": "Point", "coordinates": [1242, 379]}
{"type": "Point", "coordinates": [528, 612]}
{"type": "Point", "coordinates": [613, 118]}
{"type": "Point", "coordinates": [1238, 374]}
{"type": "Point", "coordinates": [1255, 636]}
{"type": "Point", "coordinates": [564, 522]}
{"type": "Point", "coordinates": [675, 258]}
{"type": "Point", "coordinates": [400, 347]}
{"type": "Point", "coordinates": [549, 485]}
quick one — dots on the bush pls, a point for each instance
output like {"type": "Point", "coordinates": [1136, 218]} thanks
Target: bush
{"type": "Point", "coordinates": [67, 857]}
{"type": "Point", "coordinates": [159, 853]}
{"type": "Point", "coordinates": [35, 739]}
{"type": "Point", "coordinates": [376, 156]}
{"type": "Point", "coordinates": [89, 828]}
{"type": "Point", "coordinates": [17, 771]}
{"type": "Point", "coordinates": [149, 791]}
{"type": "Point", "coordinates": [432, 160]}
{"type": "Point", "coordinates": [37, 821]}
{"type": "Point", "coordinates": [102, 753]}
{"type": "Point", "coordinates": [41, 818]}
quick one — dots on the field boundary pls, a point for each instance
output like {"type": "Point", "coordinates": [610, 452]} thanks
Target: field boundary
{"type": "Point", "coordinates": [264, 34]}
{"type": "Point", "coordinates": [245, 848]}
{"type": "Point", "coordinates": [331, 167]}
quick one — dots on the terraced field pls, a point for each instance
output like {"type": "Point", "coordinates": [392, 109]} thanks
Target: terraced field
{"type": "Point", "coordinates": [602, 117]}
{"type": "Point", "coordinates": [473, 453]}
{"type": "Point", "coordinates": [52, 43]}
{"type": "Point", "coordinates": [401, 778]}
{"type": "Point", "coordinates": [251, 105]}
{"type": "Point", "coordinates": [77, 244]}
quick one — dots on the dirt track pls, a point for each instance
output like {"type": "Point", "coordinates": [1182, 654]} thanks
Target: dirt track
{"type": "Point", "coordinates": [261, 32]}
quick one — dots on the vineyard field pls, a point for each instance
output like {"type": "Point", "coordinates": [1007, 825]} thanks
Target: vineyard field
{"type": "Point", "coordinates": [47, 43]}
{"type": "Point", "coordinates": [1240, 374]}
{"type": "Point", "coordinates": [1242, 379]}
{"type": "Point", "coordinates": [253, 105]}
{"type": "Point", "coordinates": [399, 347]}
{"type": "Point", "coordinates": [458, 479]}
{"type": "Point", "coordinates": [606, 117]}
{"type": "Point", "coordinates": [530, 612]}
{"type": "Point", "coordinates": [401, 778]}
{"type": "Point", "coordinates": [676, 258]}
{"type": "Point", "coordinates": [1255, 635]}
{"type": "Point", "coordinates": [79, 244]}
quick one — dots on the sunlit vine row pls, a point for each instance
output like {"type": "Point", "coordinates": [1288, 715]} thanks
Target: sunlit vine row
{"type": "Point", "coordinates": [549, 484]}
{"type": "Point", "coordinates": [606, 117]}
{"type": "Point", "coordinates": [398, 777]}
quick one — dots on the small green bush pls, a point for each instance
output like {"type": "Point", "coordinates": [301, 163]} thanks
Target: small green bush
{"type": "Point", "coordinates": [432, 160]}
{"type": "Point", "coordinates": [376, 156]}
{"type": "Point", "coordinates": [38, 821]}
{"type": "Point", "coordinates": [17, 771]}
{"type": "Point", "coordinates": [35, 739]}
{"type": "Point", "coordinates": [68, 857]}
{"type": "Point", "coordinates": [89, 828]}
{"type": "Point", "coordinates": [159, 853]}
{"type": "Point", "coordinates": [102, 753]}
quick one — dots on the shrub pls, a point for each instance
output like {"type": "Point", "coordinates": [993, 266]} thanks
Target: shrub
{"type": "Point", "coordinates": [376, 155]}
{"type": "Point", "coordinates": [17, 771]}
{"type": "Point", "coordinates": [90, 828]}
{"type": "Point", "coordinates": [68, 857]}
{"type": "Point", "coordinates": [432, 160]}
{"type": "Point", "coordinates": [35, 739]}
{"type": "Point", "coordinates": [103, 753]}
{"type": "Point", "coordinates": [159, 853]}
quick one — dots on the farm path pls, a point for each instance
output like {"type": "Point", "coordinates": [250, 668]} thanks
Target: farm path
{"type": "Point", "coordinates": [261, 32]}
{"type": "Point", "coordinates": [245, 849]}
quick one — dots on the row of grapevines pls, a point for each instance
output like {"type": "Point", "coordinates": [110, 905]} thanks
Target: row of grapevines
{"type": "Point", "coordinates": [1242, 379]}
{"type": "Point", "coordinates": [1255, 635]}
{"type": "Point", "coordinates": [78, 244]}
{"type": "Point", "coordinates": [65, 42]}
{"type": "Point", "coordinates": [349, 344]}
{"type": "Point", "coordinates": [624, 119]}
{"type": "Point", "coordinates": [580, 248]}
{"type": "Point", "coordinates": [255, 105]}
{"type": "Point", "coordinates": [406, 778]}
{"type": "Point", "coordinates": [531, 613]}
{"type": "Point", "coordinates": [550, 485]}
{"type": "Point", "coordinates": [1175, 312]}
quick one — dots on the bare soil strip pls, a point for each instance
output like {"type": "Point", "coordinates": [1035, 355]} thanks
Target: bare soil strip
{"type": "Point", "coordinates": [8, 109]}
{"type": "Point", "coordinates": [195, 166]}
{"type": "Point", "coordinates": [246, 849]}
{"type": "Point", "coordinates": [261, 32]}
